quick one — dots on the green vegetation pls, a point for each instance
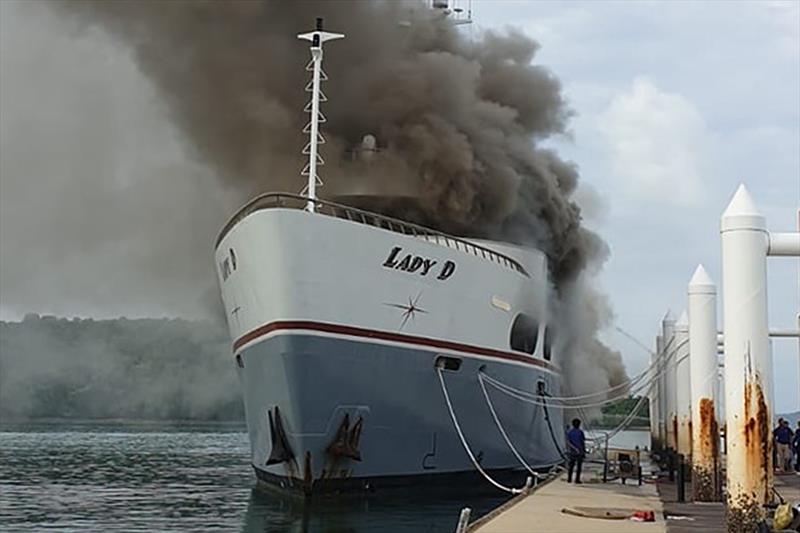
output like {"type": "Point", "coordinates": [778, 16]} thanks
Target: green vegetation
{"type": "Point", "coordinates": [613, 414]}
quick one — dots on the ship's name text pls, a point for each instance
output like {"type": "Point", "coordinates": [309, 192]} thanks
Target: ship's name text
{"type": "Point", "coordinates": [398, 260]}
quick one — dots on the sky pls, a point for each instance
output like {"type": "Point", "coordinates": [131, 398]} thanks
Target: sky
{"type": "Point", "coordinates": [675, 104]}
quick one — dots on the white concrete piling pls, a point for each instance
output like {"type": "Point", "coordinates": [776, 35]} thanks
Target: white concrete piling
{"type": "Point", "coordinates": [748, 371]}
{"type": "Point", "coordinates": [662, 387]}
{"type": "Point", "coordinates": [653, 402]}
{"type": "Point", "coordinates": [670, 382]}
{"type": "Point", "coordinates": [706, 481]}
{"type": "Point", "coordinates": [683, 392]}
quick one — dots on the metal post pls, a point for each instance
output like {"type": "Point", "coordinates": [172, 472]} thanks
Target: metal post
{"type": "Point", "coordinates": [671, 465]}
{"type": "Point", "coordinates": [748, 371]}
{"type": "Point", "coordinates": [704, 377]}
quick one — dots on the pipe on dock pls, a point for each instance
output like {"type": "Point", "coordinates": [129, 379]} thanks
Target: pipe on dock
{"type": "Point", "coordinates": [784, 244]}
{"type": "Point", "coordinates": [747, 363]}
{"type": "Point", "coordinates": [706, 482]}
{"type": "Point", "coordinates": [683, 392]}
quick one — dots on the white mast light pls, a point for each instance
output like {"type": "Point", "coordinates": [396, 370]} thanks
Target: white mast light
{"type": "Point", "coordinates": [317, 37]}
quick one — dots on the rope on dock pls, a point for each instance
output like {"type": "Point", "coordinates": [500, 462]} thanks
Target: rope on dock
{"type": "Point", "coordinates": [466, 445]}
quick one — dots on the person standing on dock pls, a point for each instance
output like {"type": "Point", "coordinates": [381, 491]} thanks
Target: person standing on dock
{"type": "Point", "coordinates": [576, 450]}
{"type": "Point", "coordinates": [783, 442]}
{"type": "Point", "coordinates": [796, 442]}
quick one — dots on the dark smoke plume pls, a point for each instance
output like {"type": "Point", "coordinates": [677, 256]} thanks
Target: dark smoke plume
{"type": "Point", "coordinates": [458, 119]}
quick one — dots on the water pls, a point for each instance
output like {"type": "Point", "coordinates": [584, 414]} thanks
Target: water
{"type": "Point", "coordinates": [631, 438]}
{"type": "Point", "coordinates": [156, 478]}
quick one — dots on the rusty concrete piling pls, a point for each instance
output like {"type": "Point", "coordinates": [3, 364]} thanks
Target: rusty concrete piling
{"type": "Point", "coordinates": [747, 363]}
{"type": "Point", "coordinates": [670, 383]}
{"type": "Point", "coordinates": [706, 482]}
{"type": "Point", "coordinates": [656, 399]}
{"type": "Point", "coordinates": [683, 394]}
{"type": "Point", "coordinates": [662, 386]}
{"type": "Point", "coordinates": [655, 439]}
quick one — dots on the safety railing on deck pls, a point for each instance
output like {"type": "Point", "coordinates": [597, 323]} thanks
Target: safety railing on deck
{"type": "Point", "coordinates": [324, 207]}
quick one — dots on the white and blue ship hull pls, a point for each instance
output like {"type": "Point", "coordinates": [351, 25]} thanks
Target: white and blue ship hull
{"type": "Point", "coordinates": [338, 341]}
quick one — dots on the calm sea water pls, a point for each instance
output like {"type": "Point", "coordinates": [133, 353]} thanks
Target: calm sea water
{"type": "Point", "coordinates": [154, 478]}
{"type": "Point", "coordinates": [139, 478]}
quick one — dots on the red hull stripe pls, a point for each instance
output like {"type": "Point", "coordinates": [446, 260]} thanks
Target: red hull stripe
{"type": "Point", "coordinates": [386, 336]}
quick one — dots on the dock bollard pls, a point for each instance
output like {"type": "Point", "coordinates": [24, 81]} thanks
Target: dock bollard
{"type": "Point", "coordinates": [681, 480]}
{"type": "Point", "coordinates": [671, 464]}
{"type": "Point", "coordinates": [463, 520]}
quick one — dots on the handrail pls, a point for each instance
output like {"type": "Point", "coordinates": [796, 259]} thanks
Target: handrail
{"type": "Point", "coordinates": [353, 214]}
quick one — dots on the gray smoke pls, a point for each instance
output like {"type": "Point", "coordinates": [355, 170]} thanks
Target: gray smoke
{"type": "Point", "coordinates": [458, 120]}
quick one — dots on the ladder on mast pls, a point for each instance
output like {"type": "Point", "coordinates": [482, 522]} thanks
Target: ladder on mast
{"type": "Point", "coordinates": [317, 38]}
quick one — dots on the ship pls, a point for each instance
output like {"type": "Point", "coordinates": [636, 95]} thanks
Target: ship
{"type": "Point", "coordinates": [360, 341]}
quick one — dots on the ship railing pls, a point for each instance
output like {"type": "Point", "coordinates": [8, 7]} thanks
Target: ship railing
{"type": "Point", "coordinates": [353, 214]}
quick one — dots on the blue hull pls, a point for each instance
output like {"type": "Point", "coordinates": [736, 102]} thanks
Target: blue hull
{"type": "Point", "coordinates": [406, 436]}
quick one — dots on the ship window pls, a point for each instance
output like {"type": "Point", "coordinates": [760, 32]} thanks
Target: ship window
{"type": "Point", "coordinates": [548, 343]}
{"type": "Point", "coordinates": [524, 334]}
{"type": "Point", "coordinates": [233, 258]}
{"type": "Point", "coordinates": [239, 361]}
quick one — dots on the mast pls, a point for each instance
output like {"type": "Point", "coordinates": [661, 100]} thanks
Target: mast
{"type": "Point", "coordinates": [317, 38]}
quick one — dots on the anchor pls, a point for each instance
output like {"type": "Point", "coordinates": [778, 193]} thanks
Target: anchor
{"type": "Point", "coordinates": [281, 450]}
{"type": "Point", "coordinates": [346, 441]}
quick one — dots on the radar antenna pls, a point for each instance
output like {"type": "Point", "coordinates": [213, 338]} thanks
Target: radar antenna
{"type": "Point", "coordinates": [451, 8]}
{"type": "Point", "coordinates": [317, 37]}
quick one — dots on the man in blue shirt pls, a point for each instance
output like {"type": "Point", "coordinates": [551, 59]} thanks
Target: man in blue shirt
{"type": "Point", "coordinates": [576, 450]}
{"type": "Point", "coordinates": [783, 441]}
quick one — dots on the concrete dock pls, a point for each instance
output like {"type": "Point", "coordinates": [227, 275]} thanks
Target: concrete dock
{"type": "Point", "coordinates": [710, 517]}
{"type": "Point", "coordinates": [542, 510]}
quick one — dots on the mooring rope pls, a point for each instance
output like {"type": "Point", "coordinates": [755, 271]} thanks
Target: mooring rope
{"type": "Point", "coordinates": [537, 400]}
{"type": "Point", "coordinates": [529, 397]}
{"type": "Point", "coordinates": [524, 396]}
{"type": "Point", "coordinates": [552, 433]}
{"type": "Point", "coordinates": [503, 431]}
{"type": "Point", "coordinates": [464, 440]}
